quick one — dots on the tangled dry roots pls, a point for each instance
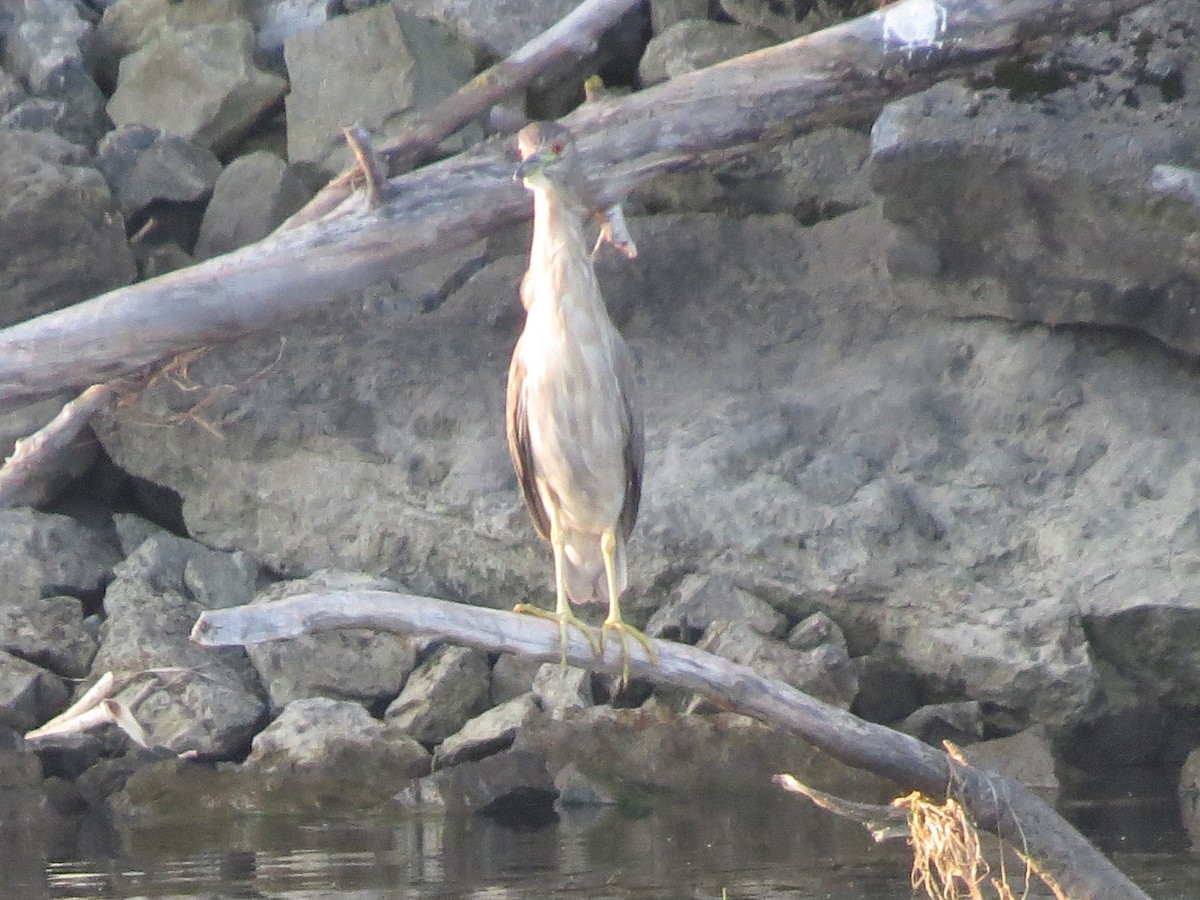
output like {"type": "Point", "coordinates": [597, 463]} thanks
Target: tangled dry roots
{"type": "Point", "coordinates": [948, 860]}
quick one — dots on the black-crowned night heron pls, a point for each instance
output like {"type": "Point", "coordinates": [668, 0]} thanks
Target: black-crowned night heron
{"type": "Point", "coordinates": [574, 421]}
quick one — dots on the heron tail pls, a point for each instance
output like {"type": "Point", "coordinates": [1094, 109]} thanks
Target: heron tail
{"type": "Point", "coordinates": [586, 581]}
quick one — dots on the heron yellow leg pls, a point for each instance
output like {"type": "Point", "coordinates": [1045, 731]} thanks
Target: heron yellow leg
{"type": "Point", "coordinates": [562, 605]}
{"type": "Point", "coordinates": [608, 548]}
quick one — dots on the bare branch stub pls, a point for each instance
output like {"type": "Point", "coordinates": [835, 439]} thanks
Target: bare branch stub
{"type": "Point", "coordinates": [369, 163]}
{"type": "Point", "coordinates": [35, 453]}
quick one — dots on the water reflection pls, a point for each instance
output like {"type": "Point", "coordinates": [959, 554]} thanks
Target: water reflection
{"type": "Point", "coordinates": [762, 847]}
{"type": "Point", "coordinates": [768, 847]}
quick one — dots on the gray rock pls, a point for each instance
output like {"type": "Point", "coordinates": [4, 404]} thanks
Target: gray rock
{"type": "Point", "coordinates": [961, 722]}
{"type": "Point", "coordinates": [576, 788]}
{"type": "Point", "coordinates": [348, 664]}
{"type": "Point", "coordinates": [512, 676]}
{"type": "Point", "coordinates": [325, 737]}
{"type": "Point", "coordinates": [489, 732]}
{"type": "Point", "coordinates": [632, 753]}
{"type": "Point", "coordinates": [29, 695]}
{"type": "Point", "coordinates": [1020, 652]}
{"type": "Point", "coordinates": [1003, 211]}
{"type": "Point", "coordinates": [208, 701]}
{"type": "Point", "coordinates": [1189, 793]}
{"type": "Point", "coordinates": [787, 19]}
{"type": "Point", "coordinates": [74, 111]}
{"type": "Point", "coordinates": [12, 92]}
{"type": "Point", "coordinates": [157, 259]}
{"type": "Point", "coordinates": [46, 193]}
{"type": "Point", "coordinates": [665, 13]}
{"type": "Point", "coordinates": [559, 690]}
{"type": "Point", "coordinates": [816, 631]}
{"type": "Point", "coordinates": [494, 27]}
{"type": "Point", "coordinates": [700, 600]}
{"type": "Point", "coordinates": [1026, 757]}
{"type": "Point", "coordinates": [253, 195]}
{"type": "Point", "coordinates": [1135, 615]}
{"type": "Point", "coordinates": [143, 164]}
{"type": "Point", "coordinates": [128, 25]}
{"type": "Point", "coordinates": [441, 695]}
{"type": "Point", "coordinates": [277, 20]}
{"type": "Point", "coordinates": [200, 83]}
{"type": "Point", "coordinates": [335, 79]}
{"type": "Point", "coordinates": [694, 44]}
{"type": "Point", "coordinates": [42, 554]}
{"type": "Point", "coordinates": [49, 632]}
{"type": "Point", "coordinates": [24, 812]}
{"type": "Point", "coordinates": [503, 782]}
{"type": "Point", "coordinates": [824, 671]}
{"type": "Point", "coordinates": [46, 40]}
{"type": "Point", "coordinates": [816, 176]}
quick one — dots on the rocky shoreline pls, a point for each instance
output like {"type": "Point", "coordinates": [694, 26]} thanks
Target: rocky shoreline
{"type": "Point", "coordinates": [921, 420]}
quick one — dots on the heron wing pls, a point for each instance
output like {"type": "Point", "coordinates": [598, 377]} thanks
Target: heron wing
{"type": "Point", "coordinates": [519, 447]}
{"type": "Point", "coordinates": [635, 438]}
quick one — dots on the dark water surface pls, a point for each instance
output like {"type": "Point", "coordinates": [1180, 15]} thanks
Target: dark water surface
{"type": "Point", "coordinates": [759, 848]}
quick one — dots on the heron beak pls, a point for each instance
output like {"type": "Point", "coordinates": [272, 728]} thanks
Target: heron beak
{"type": "Point", "coordinates": [531, 165]}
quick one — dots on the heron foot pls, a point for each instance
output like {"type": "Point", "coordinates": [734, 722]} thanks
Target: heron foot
{"type": "Point", "coordinates": [623, 628]}
{"type": "Point", "coordinates": [564, 620]}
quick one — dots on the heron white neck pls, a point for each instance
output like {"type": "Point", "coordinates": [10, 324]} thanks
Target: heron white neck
{"type": "Point", "coordinates": [560, 263]}
{"type": "Point", "coordinates": [557, 222]}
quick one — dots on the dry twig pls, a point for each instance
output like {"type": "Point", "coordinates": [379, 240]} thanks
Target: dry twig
{"type": "Point", "coordinates": [36, 452]}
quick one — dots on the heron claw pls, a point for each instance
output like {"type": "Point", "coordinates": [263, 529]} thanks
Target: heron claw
{"type": "Point", "coordinates": [622, 629]}
{"type": "Point", "coordinates": [564, 620]}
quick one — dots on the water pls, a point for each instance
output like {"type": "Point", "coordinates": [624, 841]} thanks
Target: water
{"type": "Point", "coordinates": [764, 847]}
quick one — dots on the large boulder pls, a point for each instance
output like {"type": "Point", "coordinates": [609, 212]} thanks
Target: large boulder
{"type": "Point", "coordinates": [128, 25]}
{"type": "Point", "coordinates": [208, 702]}
{"type": "Point", "coordinates": [693, 44]}
{"type": "Point", "coordinates": [337, 740]}
{"type": "Point", "coordinates": [29, 694]}
{"type": "Point", "coordinates": [43, 554]}
{"type": "Point", "coordinates": [62, 237]}
{"type": "Point", "coordinates": [1004, 211]}
{"type": "Point", "coordinates": [336, 81]}
{"type": "Point", "coordinates": [200, 83]}
{"type": "Point", "coordinates": [143, 165]}
{"type": "Point", "coordinates": [252, 197]}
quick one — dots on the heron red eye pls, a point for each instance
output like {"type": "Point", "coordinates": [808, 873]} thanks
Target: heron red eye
{"type": "Point", "coordinates": [557, 147]}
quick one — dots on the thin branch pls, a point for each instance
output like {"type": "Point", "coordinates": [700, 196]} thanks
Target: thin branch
{"type": "Point", "coordinates": [36, 453]}
{"type": "Point", "coordinates": [996, 804]}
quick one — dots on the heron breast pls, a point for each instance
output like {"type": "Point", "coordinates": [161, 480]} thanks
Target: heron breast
{"type": "Point", "coordinates": [575, 417]}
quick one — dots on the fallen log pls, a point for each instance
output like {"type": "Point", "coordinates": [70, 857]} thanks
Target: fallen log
{"type": "Point", "coordinates": [994, 803]}
{"type": "Point", "coordinates": [841, 74]}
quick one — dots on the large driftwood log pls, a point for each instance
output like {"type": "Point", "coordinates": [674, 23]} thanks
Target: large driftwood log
{"type": "Point", "coordinates": [995, 803]}
{"type": "Point", "coordinates": [841, 74]}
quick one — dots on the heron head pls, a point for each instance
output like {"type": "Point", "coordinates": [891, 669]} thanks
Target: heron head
{"type": "Point", "coordinates": [547, 154]}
